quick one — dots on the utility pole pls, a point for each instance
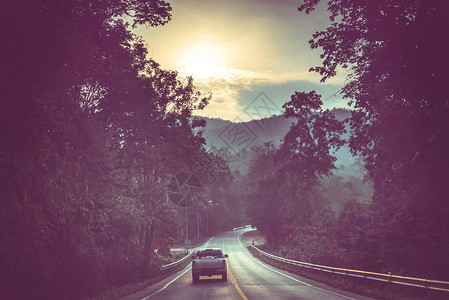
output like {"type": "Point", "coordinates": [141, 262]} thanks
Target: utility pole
{"type": "Point", "coordinates": [187, 232]}
{"type": "Point", "coordinates": [197, 222]}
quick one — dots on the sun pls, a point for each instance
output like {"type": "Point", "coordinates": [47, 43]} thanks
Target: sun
{"type": "Point", "coordinates": [203, 60]}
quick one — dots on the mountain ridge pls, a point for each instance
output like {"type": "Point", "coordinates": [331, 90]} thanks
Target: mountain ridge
{"type": "Point", "coordinates": [235, 140]}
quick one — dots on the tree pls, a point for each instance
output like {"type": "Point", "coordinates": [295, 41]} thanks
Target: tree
{"type": "Point", "coordinates": [90, 127]}
{"type": "Point", "coordinates": [396, 84]}
{"type": "Point", "coordinates": [308, 143]}
{"type": "Point", "coordinates": [264, 200]}
{"type": "Point", "coordinates": [286, 178]}
{"type": "Point", "coordinates": [305, 151]}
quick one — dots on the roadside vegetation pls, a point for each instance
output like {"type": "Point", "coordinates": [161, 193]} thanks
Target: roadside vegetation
{"type": "Point", "coordinates": [92, 132]}
{"type": "Point", "coordinates": [398, 128]}
{"type": "Point", "coordinates": [360, 286]}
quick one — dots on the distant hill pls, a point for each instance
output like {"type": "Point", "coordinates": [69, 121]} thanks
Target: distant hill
{"type": "Point", "coordinates": [237, 140]}
{"type": "Point", "coordinates": [240, 136]}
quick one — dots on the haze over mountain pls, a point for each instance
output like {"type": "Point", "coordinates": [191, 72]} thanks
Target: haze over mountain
{"type": "Point", "coordinates": [234, 141]}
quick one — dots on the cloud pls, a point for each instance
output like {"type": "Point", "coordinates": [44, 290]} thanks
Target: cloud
{"type": "Point", "coordinates": [257, 35]}
{"type": "Point", "coordinates": [280, 92]}
{"type": "Point", "coordinates": [236, 94]}
{"type": "Point", "coordinates": [224, 102]}
{"type": "Point", "coordinates": [240, 48]}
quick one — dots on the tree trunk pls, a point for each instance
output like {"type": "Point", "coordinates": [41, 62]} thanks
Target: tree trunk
{"type": "Point", "coordinates": [149, 236]}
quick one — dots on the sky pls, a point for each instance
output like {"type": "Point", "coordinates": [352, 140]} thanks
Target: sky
{"type": "Point", "coordinates": [252, 55]}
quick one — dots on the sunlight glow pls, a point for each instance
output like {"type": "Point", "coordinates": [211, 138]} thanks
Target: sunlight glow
{"type": "Point", "coordinates": [204, 60]}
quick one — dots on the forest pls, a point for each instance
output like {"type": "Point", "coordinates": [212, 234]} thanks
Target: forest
{"type": "Point", "coordinates": [93, 130]}
{"type": "Point", "coordinates": [394, 53]}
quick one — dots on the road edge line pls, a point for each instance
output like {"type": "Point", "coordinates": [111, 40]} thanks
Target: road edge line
{"type": "Point", "coordinates": [167, 284]}
{"type": "Point", "coordinates": [288, 276]}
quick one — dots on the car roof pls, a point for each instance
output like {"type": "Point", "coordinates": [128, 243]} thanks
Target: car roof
{"type": "Point", "coordinates": [209, 249]}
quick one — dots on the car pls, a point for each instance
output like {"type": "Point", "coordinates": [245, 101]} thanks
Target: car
{"type": "Point", "coordinates": [209, 262]}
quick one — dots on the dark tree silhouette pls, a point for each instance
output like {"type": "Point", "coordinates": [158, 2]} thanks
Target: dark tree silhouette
{"type": "Point", "coordinates": [395, 54]}
{"type": "Point", "coordinates": [285, 179]}
{"type": "Point", "coordinates": [91, 129]}
{"type": "Point", "coordinates": [310, 140]}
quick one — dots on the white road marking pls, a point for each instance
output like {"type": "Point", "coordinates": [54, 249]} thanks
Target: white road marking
{"type": "Point", "coordinates": [176, 278]}
{"type": "Point", "coordinates": [285, 275]}
{"type": "Point", "coordinates": [165, 286]}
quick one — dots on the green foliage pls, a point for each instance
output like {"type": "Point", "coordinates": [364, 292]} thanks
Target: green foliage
{"type": "Point", "coordinates": [91, 131]}
{"type": "Point", "coordinates": [393, 53]}
{"type": "Point", "coordinates": [285, 178]}
{"type": "Point", "coordinates": [396, 84]}
{"type": "Point", "coordinates": [399, 121]}
{"type": "Point", "coordinates": [307, 145]}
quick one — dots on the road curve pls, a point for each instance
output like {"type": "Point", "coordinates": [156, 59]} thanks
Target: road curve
{"type": "Point", "coordinates": [248, 278]}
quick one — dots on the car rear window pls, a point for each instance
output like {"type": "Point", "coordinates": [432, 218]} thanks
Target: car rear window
{"type": "Point", "coordinates": [213, 253]}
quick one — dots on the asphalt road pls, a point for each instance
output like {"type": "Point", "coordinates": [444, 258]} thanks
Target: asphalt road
{"type": "Point", "coordinates": [248, 278]}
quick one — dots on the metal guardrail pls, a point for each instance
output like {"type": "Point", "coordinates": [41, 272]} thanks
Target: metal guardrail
{"type": "Point", "coordinates": [410, 281]}
{"type": "Point", "coordinates": [178, 262]}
